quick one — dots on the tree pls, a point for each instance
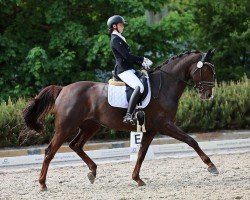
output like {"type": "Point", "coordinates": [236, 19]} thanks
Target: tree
{"type": "Point", "coordinates": [224, 25]}
{"type": "Point", "coordinates": [60, 42]}
{"type": "Point", "coordinates": [64, 41]}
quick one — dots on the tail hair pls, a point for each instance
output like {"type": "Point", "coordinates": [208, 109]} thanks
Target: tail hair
{"type": "Point", "coordinates": [39, 107]}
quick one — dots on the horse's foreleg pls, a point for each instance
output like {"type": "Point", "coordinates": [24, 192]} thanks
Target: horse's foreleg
{"type": "Point", "coordinates": [86, 132]}
{"type": "Point", "coordinates": [173, 131]}
{"type": "Point", "coordinates": [50, 152]}
{"type": "Point", "coordinates": [146, 140]}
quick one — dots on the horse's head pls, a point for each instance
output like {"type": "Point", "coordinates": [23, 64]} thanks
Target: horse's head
{"type": "Point", "coordinates": [203, 74]}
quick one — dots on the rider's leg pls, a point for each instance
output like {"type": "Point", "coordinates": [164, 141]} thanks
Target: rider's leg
{"type": "Point", "coordinates": [131, 105]}
{"type": "Point", "coordinates": [133, 81]}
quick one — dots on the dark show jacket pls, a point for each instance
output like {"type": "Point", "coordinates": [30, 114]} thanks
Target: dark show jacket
{"type": "Point", "coordinates": [123, 57]}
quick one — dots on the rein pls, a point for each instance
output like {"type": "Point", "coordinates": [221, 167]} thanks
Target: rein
{"type": "Point", "coordinates": [199, 85]}
{"type": "Point", "coordinates": [177, 79]}
{"type": "Point", "coordinates": [173, 77]}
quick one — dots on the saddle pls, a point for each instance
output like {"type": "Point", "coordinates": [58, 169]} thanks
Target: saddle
{"type": "Point", "coordinates": [142, 77]}
{"type": "Point", "coordinates": [139, 114]}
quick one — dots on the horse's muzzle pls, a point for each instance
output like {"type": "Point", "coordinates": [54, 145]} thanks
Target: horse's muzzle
{"type": "Point", "coordinates": [207, 95]}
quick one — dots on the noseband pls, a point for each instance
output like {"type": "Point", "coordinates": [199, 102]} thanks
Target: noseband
{"type": "Point", "coordinates": [200, 84]}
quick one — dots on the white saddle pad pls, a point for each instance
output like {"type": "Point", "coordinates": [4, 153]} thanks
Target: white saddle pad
{"type": "Point", "coordinates": [117, 96]}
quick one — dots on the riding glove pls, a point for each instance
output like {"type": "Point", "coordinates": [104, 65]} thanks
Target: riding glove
{"type": "Point", "coordinates": [146, 63]}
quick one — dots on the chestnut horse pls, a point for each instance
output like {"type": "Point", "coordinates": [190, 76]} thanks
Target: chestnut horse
{"type": "Point", "coordinates": [84, 105]}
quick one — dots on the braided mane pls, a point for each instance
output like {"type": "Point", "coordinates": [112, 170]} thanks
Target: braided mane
{"type": "Point", "coordinates": [175, 57]}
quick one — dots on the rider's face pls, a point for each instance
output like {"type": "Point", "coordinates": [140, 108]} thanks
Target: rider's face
{"type": "Point", "coordinates": [120, 27]}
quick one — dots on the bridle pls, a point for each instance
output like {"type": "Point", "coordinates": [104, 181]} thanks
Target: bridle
{"type": "Point", "coordinates": [201, 83]}
{"type": "Point", "coordinates": [199, 66]}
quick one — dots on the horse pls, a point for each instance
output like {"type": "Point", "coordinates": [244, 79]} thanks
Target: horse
{"type": "Point", "coordinates": [84, 105]}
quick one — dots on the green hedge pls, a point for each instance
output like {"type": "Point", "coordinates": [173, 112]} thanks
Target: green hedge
{"type": "Point", "coordinates": [230, 109]}
{"type": "Point", "coordinates": [10, 122]}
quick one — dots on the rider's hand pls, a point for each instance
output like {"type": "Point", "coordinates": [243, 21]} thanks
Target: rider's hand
{"type": "Point", "coordinates": [147, 63]}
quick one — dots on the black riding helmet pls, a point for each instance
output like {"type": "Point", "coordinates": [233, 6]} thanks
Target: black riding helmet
{"type": "Point", "coordinates": [115, 20]}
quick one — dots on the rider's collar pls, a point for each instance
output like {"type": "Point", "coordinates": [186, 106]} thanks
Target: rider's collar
{"type": "Point", "coordinates": [119, 34]}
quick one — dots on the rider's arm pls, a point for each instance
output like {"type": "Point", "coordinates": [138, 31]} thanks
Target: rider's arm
{"type": "Point", "coordinates": [119, 46]}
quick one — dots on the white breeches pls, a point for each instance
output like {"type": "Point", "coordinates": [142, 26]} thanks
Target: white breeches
{"type": "Point", "coordinates": [131, 79]}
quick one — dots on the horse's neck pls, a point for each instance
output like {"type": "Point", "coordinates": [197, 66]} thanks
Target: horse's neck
{"type": "Point", "coordinates": [180, 67]}
{"type": "Point", "coordinates": [178, 73]}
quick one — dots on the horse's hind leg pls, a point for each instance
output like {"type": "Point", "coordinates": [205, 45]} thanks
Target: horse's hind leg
{"type": "Point", "coordinates": [55, 144]}
{"type": "Point", "coordinates": [175, 132]}
{"type": "Point", "coordinates": [88, 129]}
{"type": "Point", "coordinates": [146, 140]}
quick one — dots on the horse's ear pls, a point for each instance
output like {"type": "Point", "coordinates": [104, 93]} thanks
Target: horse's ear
{"type": "Point", "coordinates": [209, 55]}
{"type": "Point", "coordinates": [209, 51]}
{"type": "Point", "coordinates": [212, 53]}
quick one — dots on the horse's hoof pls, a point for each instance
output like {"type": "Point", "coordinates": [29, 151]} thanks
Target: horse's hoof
{"type": "Point", "coordinates": [141, 183]}
{"type": "Point", "coordinates": [213, 170]}
{"type": "Point", "coordinates": [91, 177]}
{"type": "Point", "coordinates": [43, 188]}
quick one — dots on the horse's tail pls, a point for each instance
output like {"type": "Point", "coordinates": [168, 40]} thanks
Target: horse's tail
{"type": "Point", "coordinates": [39, 107]}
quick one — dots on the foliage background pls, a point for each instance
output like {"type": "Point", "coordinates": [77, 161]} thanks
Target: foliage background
{"type": "Point", "coordinates": [63, 41]}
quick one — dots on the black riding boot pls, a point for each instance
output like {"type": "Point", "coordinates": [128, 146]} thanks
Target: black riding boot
{"type": "Point", "coordinates": [131, 106]}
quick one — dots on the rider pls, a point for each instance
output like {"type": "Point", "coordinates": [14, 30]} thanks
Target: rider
{"type": "Point", "coordinates": [124, 68]}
